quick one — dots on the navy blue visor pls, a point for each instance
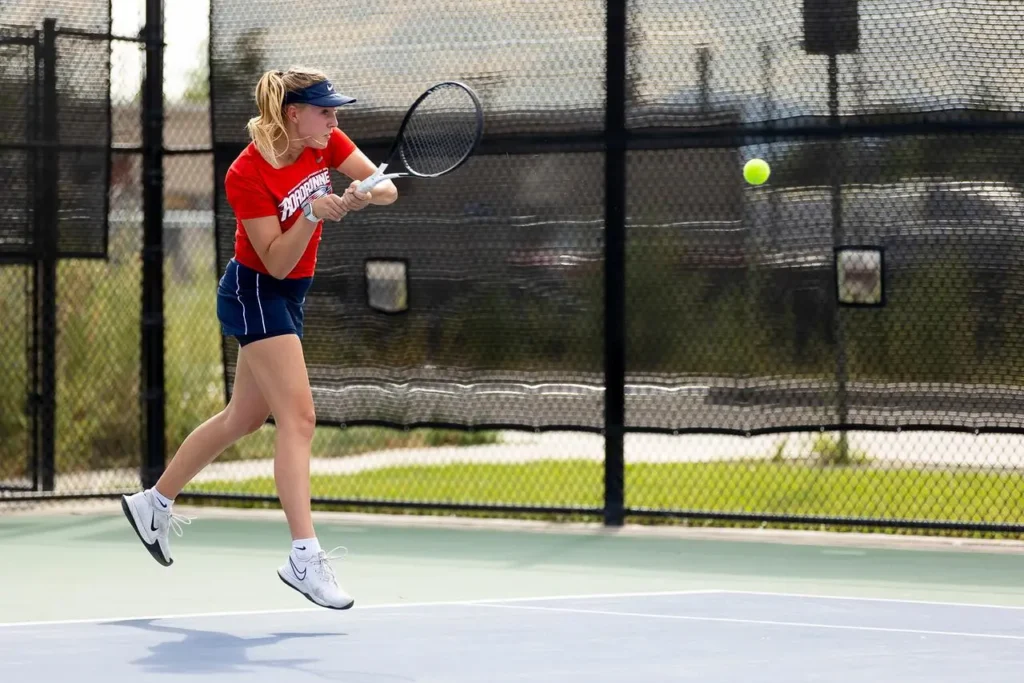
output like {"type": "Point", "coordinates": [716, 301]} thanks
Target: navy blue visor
{"type": "Point", "coordinates": [320, 94]}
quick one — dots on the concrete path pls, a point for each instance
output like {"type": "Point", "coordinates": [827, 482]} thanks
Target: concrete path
{"type": "Point", "coordinates": [909, 448]}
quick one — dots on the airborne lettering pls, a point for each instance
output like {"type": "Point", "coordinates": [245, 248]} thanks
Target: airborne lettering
{"type": "Point", "coordinates": [290, 204]}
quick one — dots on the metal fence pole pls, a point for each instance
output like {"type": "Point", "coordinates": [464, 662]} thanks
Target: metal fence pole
{"type": "Point", "coordinates": [45, 265]}
{"type": "Point", "coordinates": [153, 394]}
{"type": "Point", "coordinates": [615, 266]}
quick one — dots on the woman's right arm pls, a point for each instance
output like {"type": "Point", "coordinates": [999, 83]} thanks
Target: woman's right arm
{"type": "Point", "coordinates": [258, 211]}
{"type": "Point", "coordinates": [280, 251]}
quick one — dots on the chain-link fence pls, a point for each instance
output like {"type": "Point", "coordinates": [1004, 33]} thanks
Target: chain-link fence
{"type": "Point", "coordinates": [867, 286]}
{"type": "Point", "coordinates": [56, 139]}
{"type": "Point", "coordinates": [836, 345]}
{"type": "Point", "coordinates": [439, 330]}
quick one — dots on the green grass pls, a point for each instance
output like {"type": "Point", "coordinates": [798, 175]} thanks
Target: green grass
{"type": "Point", "coordinates": [14, 421]}
{"type": "Point", "coordinates": [331, 442]}
{"type": "Point", "coordinates": [754, 486]}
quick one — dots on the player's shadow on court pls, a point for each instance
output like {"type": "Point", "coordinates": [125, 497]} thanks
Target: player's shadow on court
{"type": "Point", "coordinates": [212, 652]}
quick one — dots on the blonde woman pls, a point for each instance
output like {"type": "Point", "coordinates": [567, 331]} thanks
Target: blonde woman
{"type": "Point", "coordinates": [280, 190]}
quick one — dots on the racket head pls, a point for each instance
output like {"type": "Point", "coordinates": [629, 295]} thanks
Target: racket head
{"type": "Point", "coordinates": [440, 130]}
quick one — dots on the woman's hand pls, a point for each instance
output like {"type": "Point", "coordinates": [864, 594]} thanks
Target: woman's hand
{"type": "Point", "coordinates": [330, 207]}
{"type": "Point", "coordinates": [354, 200]}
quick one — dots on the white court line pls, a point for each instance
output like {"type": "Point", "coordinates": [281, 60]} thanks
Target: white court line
{"type": "Point", "coordinates": [760, 622]}
{"type": "Point", "coordinates": [396, 605]}
{"type": "Point", "coordinates": [498, 602]}
{"type": "Point", "coordinates": [854, 598]}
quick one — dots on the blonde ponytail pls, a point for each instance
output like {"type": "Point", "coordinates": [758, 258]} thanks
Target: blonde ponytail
{"type": "Point", "coordinates": [268, 128]}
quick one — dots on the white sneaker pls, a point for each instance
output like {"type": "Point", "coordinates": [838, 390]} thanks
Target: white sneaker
{"type": "Point", "coordinates": [315, 579]}
{"type": "Point", "coordinates": [152, 522]}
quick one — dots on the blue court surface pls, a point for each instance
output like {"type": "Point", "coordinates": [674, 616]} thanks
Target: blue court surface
{"type": "Point", "coordinates": [707, 636]}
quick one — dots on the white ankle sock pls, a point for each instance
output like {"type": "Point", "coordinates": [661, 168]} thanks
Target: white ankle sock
{"type": "Point", "coordinates": [305, 548]}
{"type": "Point", "coordinates": [161, 499]}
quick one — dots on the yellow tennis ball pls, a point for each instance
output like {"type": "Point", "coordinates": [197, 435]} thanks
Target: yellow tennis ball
{"type": "Point", "coordinates": [756, 171]}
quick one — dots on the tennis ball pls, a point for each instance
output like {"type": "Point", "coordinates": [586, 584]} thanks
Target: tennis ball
{"type": "Point", "coordinates": [756, 171]}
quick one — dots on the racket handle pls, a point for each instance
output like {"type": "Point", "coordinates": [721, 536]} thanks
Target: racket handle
{"type": "Point", "coordinates": [375, 178]}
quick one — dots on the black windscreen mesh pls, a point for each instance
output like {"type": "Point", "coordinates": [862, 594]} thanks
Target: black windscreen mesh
{"type": "Point", "coordinates": [91, 16]}
{"type": "Point", "coordinates": [79, 90]}
{"type": "Point", "coordinates": [479, 298]}
{"type": "Point", "coordinates": [545, 57]}
{"type": "Point", "coordinates": [736, 295]}
{"type": "Point", "coordinates": [17, 112]}
{"type": "Point", "coordinates": [936, 60]}
{"type": "Point", "coordinates": [503, 320]}
{"type": "Point", "coordinates": [83, 101]}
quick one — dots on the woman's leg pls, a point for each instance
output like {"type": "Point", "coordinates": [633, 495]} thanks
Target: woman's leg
{"type": "Point", "coordinates": [245, 413]}
{"type": "Point", "coordinates": [278, 367]}
{"type": "Point", "coordinates": [149, 511]}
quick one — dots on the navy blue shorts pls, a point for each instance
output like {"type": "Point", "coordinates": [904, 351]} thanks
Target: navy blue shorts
{"type": "Point", "coordinates": [252, 306]}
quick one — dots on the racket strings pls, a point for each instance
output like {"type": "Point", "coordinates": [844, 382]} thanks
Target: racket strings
{"type": "Point", "coordinates": [441, 132]}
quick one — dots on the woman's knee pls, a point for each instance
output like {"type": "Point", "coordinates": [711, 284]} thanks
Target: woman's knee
{"type": "Point", "coordinates": [299, 420]}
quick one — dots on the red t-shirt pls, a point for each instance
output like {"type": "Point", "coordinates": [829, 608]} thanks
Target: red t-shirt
{"type": "Point", "coordinates": [255, 189]}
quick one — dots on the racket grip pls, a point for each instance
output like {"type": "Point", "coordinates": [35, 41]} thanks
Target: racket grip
{"type": "Point", "coordinates": [375, 178]}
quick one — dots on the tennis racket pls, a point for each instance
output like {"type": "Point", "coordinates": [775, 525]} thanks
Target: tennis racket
{"type": "Point", "coordinates": [439, 132]}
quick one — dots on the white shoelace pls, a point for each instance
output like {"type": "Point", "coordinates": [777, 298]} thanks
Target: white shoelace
{"type": "Point", "coordinates": [323, 564]}
{"type": "Point", "coordinates": [174, 520]}
{"type": "Point", "coordinates": [177, 520]}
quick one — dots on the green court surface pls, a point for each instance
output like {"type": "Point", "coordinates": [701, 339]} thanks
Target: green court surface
{"type": "Point", "coordinates": [90, 566]}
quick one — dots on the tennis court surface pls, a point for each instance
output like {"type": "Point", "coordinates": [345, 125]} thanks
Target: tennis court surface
{"type": "Point", "coordinates": [438, 603]}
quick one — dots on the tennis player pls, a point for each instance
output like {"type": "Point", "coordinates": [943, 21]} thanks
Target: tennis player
{"type": "Point", "coordinates": [280, 190]}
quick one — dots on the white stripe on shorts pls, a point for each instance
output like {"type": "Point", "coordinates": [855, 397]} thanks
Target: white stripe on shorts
{"type": "Point", "coordinates": [260, 304]}
{"type": "Point", "coordinates": [238, 293]}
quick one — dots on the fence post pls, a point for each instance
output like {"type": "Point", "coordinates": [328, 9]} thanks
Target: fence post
{"type": "Point", "coordinates": [153, 459]}
{"type": "Point", "coordinates": [46, 240]}
{"type": "Point", "coordinates": [615, 265]}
